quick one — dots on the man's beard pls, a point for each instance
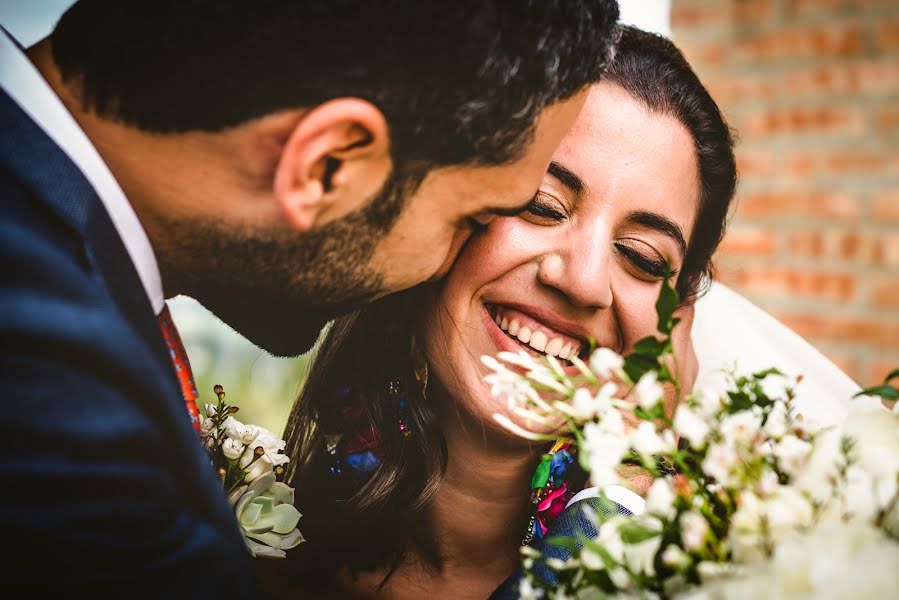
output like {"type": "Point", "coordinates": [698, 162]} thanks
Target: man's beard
{"type": "Point", "coordinates": [279, 289]}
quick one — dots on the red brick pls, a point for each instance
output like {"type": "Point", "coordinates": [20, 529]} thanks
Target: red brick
{"type": "Point", "coordinates": [882, 367]}
{"type": "Point", "coordinates": [885, 206]}
{"type": "Point", "coordinates": [751, 241]}
{"type": "Point", "coordinates": [814, 7]}
{"type": "Point", "coordinates": [843, 39]}
{"type": "Point", "coordinates": [755, 163]}
{"type": "Point", "coordinates": [885, 292]}
{"type": "Point", "coordinates": [846, 362]}
{"type": "Point", "coordinates": [704, 53]}
{"type": "Point", "coordinates": [753, 11]}
{"type": "Point", "coordinates": [870, 76]}
{"type": "Point", "coordinates": [874, 331]}
{"type": "Point", "coordinates": [802, 120]}
{"type": "Point", "coordinates": [886, 120]}
{"type": "Point", "coordinates": [887, 34]}
{"type": "Point", "coordinates": [807, 243]}
{"type": "Point", "coordinates": [802, 203]}
{"type": "Point", "coordinates": [690, 14]}
{"type": "Point", "coordinates": [866, 247]}
{"type": "Point", "coordinates": [858, 161]}
{"type": "Point", "coordinates": [792, 283]}
{"type": "Point", "coordinates": [888, 250]}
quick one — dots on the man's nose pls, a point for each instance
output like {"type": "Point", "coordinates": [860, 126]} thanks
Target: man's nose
{"type": "Point", "coordinates": [580, 269]}
{"type": "Point", "coordinates": [459, 238]}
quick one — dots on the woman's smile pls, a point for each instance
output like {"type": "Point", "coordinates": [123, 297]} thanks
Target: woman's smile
{"type": "Point", "coordinates": [538, 331]}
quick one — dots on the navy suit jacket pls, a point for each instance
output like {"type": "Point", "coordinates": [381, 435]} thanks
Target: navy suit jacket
{"type": "Point", "coordinates": [106, 487]}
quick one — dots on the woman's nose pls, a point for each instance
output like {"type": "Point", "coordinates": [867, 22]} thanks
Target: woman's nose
{"type": "Point", "coordinates": [581, 271]}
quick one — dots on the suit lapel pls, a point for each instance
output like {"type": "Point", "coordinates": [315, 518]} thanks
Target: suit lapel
{"type": "Point", "coordinates": [61, 186]}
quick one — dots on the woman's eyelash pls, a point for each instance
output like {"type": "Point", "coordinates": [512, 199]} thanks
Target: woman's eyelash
{"type": "Point", "coordinates": [654, 267]}
{"type": "Point", "coordinates": [541, 209]}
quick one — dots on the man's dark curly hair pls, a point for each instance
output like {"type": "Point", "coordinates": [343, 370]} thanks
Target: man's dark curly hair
{"type": "Point", "coordinates": [459, 82]}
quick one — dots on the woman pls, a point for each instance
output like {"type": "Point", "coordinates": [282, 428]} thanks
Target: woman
{"type": "Point", "coordinates": [407, 485]}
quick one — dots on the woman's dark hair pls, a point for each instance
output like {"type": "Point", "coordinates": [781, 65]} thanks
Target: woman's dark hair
{"type": "Point", "coordinates": [376, 523]}
{"type": "Point", "coordinates": [653, 71]}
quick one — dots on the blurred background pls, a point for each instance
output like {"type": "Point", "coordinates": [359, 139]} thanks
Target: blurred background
{"type": "Point", "coordinates": [812, 89]}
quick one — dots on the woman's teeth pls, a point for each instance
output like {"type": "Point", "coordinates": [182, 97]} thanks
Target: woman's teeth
{"type": "Point", "coordinates": [538, 340]}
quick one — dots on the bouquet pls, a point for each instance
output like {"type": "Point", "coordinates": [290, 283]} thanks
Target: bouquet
{"type": "Point", "coordinates": [748, 500]}
{"type": "Point", "coordinates": [250, 462]}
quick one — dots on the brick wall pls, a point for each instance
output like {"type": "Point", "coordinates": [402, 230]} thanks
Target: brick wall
{"type": "Point", "coordinates": [812, 88]}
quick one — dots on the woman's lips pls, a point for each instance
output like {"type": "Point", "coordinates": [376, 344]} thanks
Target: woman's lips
{"type": "Point", "coordinates": [518, 329]}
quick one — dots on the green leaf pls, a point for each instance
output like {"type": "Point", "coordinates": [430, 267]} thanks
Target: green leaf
{"type": "Point", "coordinates": [884, 391]}
{"type": "Point", "coordinates": [541, 475]}
{"type": "Point", "coordinates": [649, 345]}
{"type": "Point", "coordinates": [562, 541]}
{"type": "Point", "coordinates": [767, 372]}
{"type": "Point", "coordinates": [635, 365]}
{"type": "Point", "coordinates": [666, 304]}
{"type": "Point", "coordinates": [739, 400]}
{"type": "Point", "coordinates": [633, 533]}
{"type": "Point", "coordinates": [891, 375]}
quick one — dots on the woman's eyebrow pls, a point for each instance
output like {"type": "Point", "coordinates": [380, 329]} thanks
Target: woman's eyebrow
{"type": "Point", "coordinates": [567, 178]}
{"type": "Point", "coordinates": [660, 223]}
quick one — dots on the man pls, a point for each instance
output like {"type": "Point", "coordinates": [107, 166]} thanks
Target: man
{"type": "Point", "coordinates": [281, 162]}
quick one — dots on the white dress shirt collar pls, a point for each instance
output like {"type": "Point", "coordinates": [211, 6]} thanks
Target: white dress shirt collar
{"type": "Point", "coordinates": [24, 84]}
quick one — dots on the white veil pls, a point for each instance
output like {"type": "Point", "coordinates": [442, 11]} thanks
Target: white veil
{"type": "Point", "coordinates": [729, 330]}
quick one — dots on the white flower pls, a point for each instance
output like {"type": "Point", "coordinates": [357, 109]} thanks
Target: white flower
{"type": "Point", "coordinates": [740, 428]}
{"type": "Point", "coordinates": [792, 454]}
{"type": "Point", "coordinates": [775, 386]}
{"type": "Point", "coordinates": [586, 406]}
{"type": "Point", "coordinates": [272, 447]}
{"type": "Point", "coordinates": [592, 560]}
{"type": "Point", "coordinates": [236, 430]}
{"type": "Point", "coordinates": [232, 448]}
{"type": "Point", "coordinates": [720, 462]}
{"type": "Point", "coordinates": [605, 362]}
{"type": "Point", "coordinates": [609, 537]}
{"type": "Point", "coordinates": [648, 390]}
{"type": "Point", "coordinates": [786, 511]}
{"type": "Point", "coordinates": [207, 427]}
{"type": "Point", "coordinates": [674, 557]}
{"type": "Point", "coordinates": [820, 472]}
{"type": "Point", "coordinates": [620, 578]}
{"type": "Point", "coordinates": [521, 359]}
{"type": "Point", "coordinates": [604, 450]}
{"type": "Point", "coordinates": [708, 401]}
{"type": "Point", "coordinates": [660, 499]}
{"type": "Point", "coordinates": [777, 424]}
{"type": "Point", "coordinates": [694, 529]}
{"type": "Point", "coordinates": [746, 535]}
{"type": "Point", "coordinates": [769, 482]}
{"type": "Point", "coordinates": [688, 424]}
{"type": "Point", "coordinates": [639, 557]}
{"type": "Point", "coordinates": [836, 561]}
{"type": "Point", "coordinates": [211, 409]}
{"type": "Point", "coordinates": [526, 591]}
{"type": "Point", "coordinates": [876, 452]}
{"type": "Point", "coordinates": [647, 441]}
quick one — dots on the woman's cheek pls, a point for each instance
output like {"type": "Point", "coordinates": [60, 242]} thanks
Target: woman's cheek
{"type": "Point", "coordinates": [635, 308]}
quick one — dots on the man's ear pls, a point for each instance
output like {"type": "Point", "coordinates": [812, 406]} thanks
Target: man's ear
{"type": "Point", "coordinates": [336, 158]}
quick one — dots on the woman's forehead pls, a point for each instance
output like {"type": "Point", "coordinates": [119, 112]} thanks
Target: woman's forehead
{"type": "Point", "coordinates": [621, 150]}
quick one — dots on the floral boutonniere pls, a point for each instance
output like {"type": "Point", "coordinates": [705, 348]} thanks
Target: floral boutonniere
{"type": "Point", "coordinates": [250, 462]}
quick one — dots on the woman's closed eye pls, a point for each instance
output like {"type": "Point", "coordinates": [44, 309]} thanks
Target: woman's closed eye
{"type": "Point", "coordinates": [642, 258]}
{"type": "Point", "coordinates": [543, 208]}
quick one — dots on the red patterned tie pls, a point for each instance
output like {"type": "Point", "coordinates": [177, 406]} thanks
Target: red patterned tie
{"type": "Point", "coordinates": [181, 364]}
